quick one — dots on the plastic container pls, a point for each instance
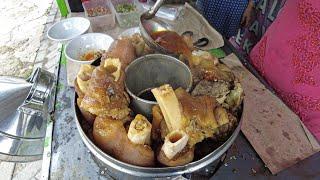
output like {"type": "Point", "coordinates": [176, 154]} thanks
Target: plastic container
{"type": "Point", "coordinates": [129, 19]}
{"type": "Point", "coordinates": [103, 22]}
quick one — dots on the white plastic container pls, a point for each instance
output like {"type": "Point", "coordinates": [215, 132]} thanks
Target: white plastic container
{"type": "Point", "coordinates": [103, 22]}
{"type": "Point", "coordinates": [129, 19]}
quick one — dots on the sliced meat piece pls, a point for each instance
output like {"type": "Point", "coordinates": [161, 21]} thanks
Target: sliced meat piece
{"type": "Point", "coordinates": [216, 89]}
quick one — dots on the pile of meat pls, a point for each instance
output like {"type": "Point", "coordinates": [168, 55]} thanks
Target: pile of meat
{"type": "Point", "coordinates": [180, 120]}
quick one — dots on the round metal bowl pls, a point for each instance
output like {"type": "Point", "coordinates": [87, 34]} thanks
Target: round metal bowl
{"type": "Point", "coordinates": [124, 170]}
{"type": "Point", "coordinates": [152, 71]}
{"type": "Point", "coordinates": [149, 26]}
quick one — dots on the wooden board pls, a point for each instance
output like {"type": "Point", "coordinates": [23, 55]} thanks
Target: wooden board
{"type": "Point", "coordinates": [274, 131]}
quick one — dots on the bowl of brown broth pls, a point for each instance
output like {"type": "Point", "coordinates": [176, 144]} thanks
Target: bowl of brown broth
{"type": "Point", "coordinates": [152, 71]}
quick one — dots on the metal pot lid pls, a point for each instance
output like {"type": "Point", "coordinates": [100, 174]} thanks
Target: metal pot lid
{"type": "Point", "coordinates": [24, 107]}
{"type": "Point", "coordinates": [20, 149]}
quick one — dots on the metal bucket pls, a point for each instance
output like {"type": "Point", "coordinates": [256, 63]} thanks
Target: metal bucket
{"type": "Point", "coordinates": [121, 170]}
{"type": "Point", "coordinates": [152, 71]}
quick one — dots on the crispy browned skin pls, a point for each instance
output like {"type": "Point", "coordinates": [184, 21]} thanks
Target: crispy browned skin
{"type": "Point", "coordinates": [85, 76]}
{"type": "Point", "coordinates": [86, 114]}
{"type": "Point", "coordinates": [111, 136]}
{"type": "Point", "coordinates": [105, 97]}
{"type": "Point", "coordinates": [199, 113]}
{"type": "Point", "coordinates": [105, 100]}
{"type": "Point", "coordinates": [122, 77]}
{"type": "Point", "coordinates": [184, 157]}
{"type": "Point", "coordinates": [217, 72]}
{"type": "Point", "coordinates": [200, 124]}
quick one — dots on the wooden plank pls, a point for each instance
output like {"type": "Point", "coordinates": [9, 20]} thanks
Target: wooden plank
{"type": "Point", "coordinates": [275, 132]}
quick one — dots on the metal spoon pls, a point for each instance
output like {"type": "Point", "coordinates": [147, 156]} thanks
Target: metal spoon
{"type": "Point", "coordinates": [150, 24]}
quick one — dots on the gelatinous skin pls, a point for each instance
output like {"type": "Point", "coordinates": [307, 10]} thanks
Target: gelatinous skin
{"type": "Point", "coordinates": [86, 114]}
{"type": "Point", "coordinates": [111, 136]}
{"type": "Point", "coordinates": [105, 97]}
{"type": "Point", "coordinates": [84, 75]}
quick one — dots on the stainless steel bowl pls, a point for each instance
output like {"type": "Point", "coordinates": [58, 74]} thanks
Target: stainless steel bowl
{"type": "Point", "coordinates": [152, 71]}
{"type": "Point", "coordinates": [148, 27]}
{"type": "Point", "coordinates": [122, 170]}
{"type": "Point", "coordinates": [149, 24]}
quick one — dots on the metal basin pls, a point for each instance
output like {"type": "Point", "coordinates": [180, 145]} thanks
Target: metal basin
{"type": "Point", "coordinates": [122, 170]}
{"type": "Point", "coordinates": [152, 71]}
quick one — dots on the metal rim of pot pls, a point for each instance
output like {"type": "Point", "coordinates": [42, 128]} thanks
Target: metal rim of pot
{"type": "Point", "coordinates": [140, 171]}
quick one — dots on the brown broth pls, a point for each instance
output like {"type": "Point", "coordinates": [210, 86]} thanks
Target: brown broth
{"type": "Point", "coordinates": [172, 41]}
{"type": "Point", "coordinates": [175, 137]}
{"type": "Point", "coordinates": [147, 95]}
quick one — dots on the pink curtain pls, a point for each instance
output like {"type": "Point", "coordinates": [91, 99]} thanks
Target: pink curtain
{"type": "Point", "coordinates": [288, 56]}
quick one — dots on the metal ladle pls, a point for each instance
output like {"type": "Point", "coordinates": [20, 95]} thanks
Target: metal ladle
{"type": "Point", "coordinates": [150, 24]}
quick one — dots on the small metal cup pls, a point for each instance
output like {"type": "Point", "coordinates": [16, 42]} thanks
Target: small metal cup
{"type": "Point", "coordinates": [152, 71]}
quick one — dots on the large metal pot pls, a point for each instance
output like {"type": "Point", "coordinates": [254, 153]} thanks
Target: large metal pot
{"type": "Point", "coordinates": [121, 170]}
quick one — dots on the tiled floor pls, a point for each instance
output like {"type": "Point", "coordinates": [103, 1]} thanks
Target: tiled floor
{"type": "Point", "coordinates": [22, 23]}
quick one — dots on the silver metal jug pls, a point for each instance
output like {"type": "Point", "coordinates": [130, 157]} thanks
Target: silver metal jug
{"type": "Point", "coordinates": [24, 109]}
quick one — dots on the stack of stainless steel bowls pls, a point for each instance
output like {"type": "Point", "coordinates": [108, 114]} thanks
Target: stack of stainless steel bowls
{"type": "Point", "coordinates": [23, 115]}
